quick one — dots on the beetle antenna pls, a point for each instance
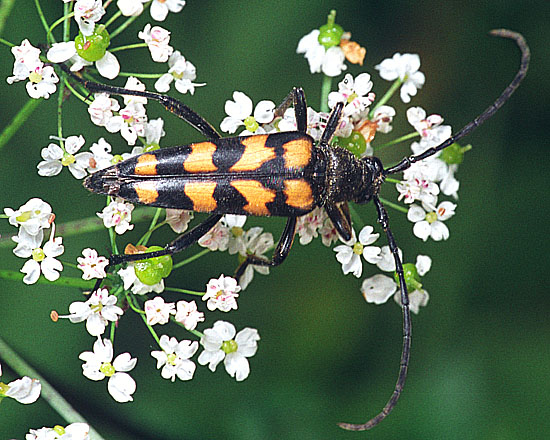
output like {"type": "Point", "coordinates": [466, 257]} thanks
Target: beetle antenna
{"type": "Point", "coordinates": [406, 350]}
{"type": "Point", "coordinates": [490, 111]}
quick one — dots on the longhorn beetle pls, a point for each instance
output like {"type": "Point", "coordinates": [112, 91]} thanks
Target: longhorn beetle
{"type": "Point", "coordinates": [281, 174]}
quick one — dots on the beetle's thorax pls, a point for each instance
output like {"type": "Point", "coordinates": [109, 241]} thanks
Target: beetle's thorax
{"type": "Point", "coordinates": [349, 178]}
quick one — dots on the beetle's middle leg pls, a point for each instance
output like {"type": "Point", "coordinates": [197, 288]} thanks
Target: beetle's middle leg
{"type": "Point", "coordinates": [281, 251]}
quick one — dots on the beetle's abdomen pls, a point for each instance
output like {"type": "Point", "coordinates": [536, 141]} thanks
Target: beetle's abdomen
{"type": "Point", "coordinates": [254, 175]}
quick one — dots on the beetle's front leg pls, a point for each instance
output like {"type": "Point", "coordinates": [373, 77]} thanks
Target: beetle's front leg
{"type": "Point", "coordinates": [281, 251]}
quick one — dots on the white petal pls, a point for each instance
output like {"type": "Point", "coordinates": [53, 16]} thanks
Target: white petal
{"type": "Point", "coordinates": [240, 108]}
{"type": "Point", "coordinates": [415, 213]}
{"type": "Point", "coordinates": [422, 230]}
{"type": "Point", "coordinates": [378, 288]}
{"type": "Point", "coordinates": [264, 112]}
{"type": "Point", "coordinates": [108, 66]}
{"type": "Point", "coordinates": [237, 366]}
{"type": "Point", "coordinates": [32, 270]}
{"type": "Point", "coordinates": [121, 386]}
{"type": "Point", "coordinates": [124, 362]}
{"type": "Point", "coordinates": [61, 52]}
{"type": "Point", "coordinates": [439, 231]}
{"type": "Point", "coordinates": [423, 264]}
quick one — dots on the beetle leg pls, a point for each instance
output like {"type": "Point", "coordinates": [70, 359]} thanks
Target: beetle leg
{"type": "Point", "coordinates": [405, 353]}
{"type": "Point", "coordinates": [178, 245]}
{"type": "Point", "coordinates": [298, 99]}
{"type": "Point", "coordinates": [281, 251]}
{"type": "Point", "coordinates": [340, 218]}
{"type": "Point", "coordinates": [171, 104]}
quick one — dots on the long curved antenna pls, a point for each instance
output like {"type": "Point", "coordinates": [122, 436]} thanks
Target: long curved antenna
{"type": "Point", "coordinates": [490, 111]}
{"type": "Point", "coordinates": [406, 350]}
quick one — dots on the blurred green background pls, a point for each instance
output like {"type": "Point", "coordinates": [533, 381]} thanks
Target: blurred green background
{"type": "Point", "coordinates": [480, 355]}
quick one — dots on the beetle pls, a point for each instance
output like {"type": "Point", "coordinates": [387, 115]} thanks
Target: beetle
{"type": "Point", "coordinates": [282, 174]}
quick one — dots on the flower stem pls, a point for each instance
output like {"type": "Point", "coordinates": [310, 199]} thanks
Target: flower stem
{"type": "Point", "coordinates": [41, 15]}
{"type": "Point", "coordinates": [18, 120]}
{"type": "Point", "coordinates": [394, 205]}
{"type": "Point", "coordinates": [79, 283]}
{"type": "Point", "coordinates": [54, 399]}
{"type": "Point", "coordinates": [190, 259]}
{"type": "Point", "coordinates": [397, 141]}
{"type": "Point", "coordinates": [387, 96]}
{"type": "Point", "coordinates": [5, 9]}
{"type": "Point", "coordinates": [325, 90]}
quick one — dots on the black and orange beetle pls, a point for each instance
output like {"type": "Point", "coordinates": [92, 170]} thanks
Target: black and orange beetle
{"type": "Point", "coordinates": [282, 174]}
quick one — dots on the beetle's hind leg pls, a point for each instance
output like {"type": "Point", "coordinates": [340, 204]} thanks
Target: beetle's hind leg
{"type": "Point", "coordinates": [281, 251]}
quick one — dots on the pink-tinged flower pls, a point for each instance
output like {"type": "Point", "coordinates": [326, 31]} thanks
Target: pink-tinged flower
{"type": "Point", "coordinates": [157, 40]}
{"type": "Point", "coordinates": [429, 127]}
{"type": "Point", "coordinates": [101, 109]}
{"type": "Point", "coordinates": [221, 344]}
{"type": "Point", "coordinates": [178, 219]}
{"type": "Point", "coordinates": [308, 226]}
{"type": "Point", "coordinates": [27, 59]}
{"type": "Point", "coordinates": [97, 311]}
{"type": "Point", "coordinates": [188, 315]}
{"type": "Point", "coordinates": [355, 94]}
{"type": "Point", "coordinates": [157, 311]}
{"type": "Point", "coordinates": [174, 359]}
{"type": "Point", "coordinates": [117, 214]}
{"type": "Point", "coordinates": [101, 156]}
{"type": "Point", "coordinates": [404, 67]}
{"type": "Point", "coordinates": [87, 13]}
{"type": "Point", "coordinates": [160, 8]}
{"type": "Point", "coordinates": [99, 364]}
{"type": "Point", "coordinates": [217, 239]}
{"type": "Point", "coordinates": [222, 294]}
{"type": "Point", "coordinates": [257, 243]}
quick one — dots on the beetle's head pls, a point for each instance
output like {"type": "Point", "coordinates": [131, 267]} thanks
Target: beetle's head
{"type": "Point", "coordinates": [373, 177]}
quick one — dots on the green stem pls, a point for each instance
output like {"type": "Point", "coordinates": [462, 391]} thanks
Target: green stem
{"type": "Point", "coordinates": [18, 120]}
{"type": "Point", "coordinates": [41, 15]}
{"type": "Point", "coordinates": [48, 393]}
{"type": "Point", "coordinates": [79, 283]}
{"type": "Point", "coordinates": [5, 9]}
{"type": "Point", "coordinates": [152, 227]}
{"type": "Point", "coordinates": [397, 141]}
{"type": "Point", "coordinates": [325, 90]}
{"type": "Point", "coordinates": [394, 205]}
{"type": "Point", "coordinates": [387, 96]}
{"type": "Point", "coordinates": [6, 42]}
{"type": "Point", "coordinates": [141, 75]}
{"type": "Point", "coordinates": [127, 47]}
{"type": "Point", "coordinates": [123, 26]}
{"type": "Point", "coordinates": [188, 292]}
{"type": "Point", "coordinates": [190, 259]}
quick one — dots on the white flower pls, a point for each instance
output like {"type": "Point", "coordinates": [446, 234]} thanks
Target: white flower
{"type": "Point", "coordinates": [404, 67]}
{"type": "Point", "coordinates": [429, 127]}
{"type": "Point", "coordinates": [101, 155]}
{"type": "Point", "coordinates": [42, 82]}
{"type": "Point", "coordinates": [220, 343]}
{"type": "Point", "coordinates": [97, 311]}
{"type": "Point", "coordinates": [379, 288]}
{"type": "Point", "coordinates": [43, 259]}
{"type": "Point", "coordinates": [330, 62]}
{"type": "Point", "coordinates": [24, 390]}
{"type": "Point", "coordinates": [430, 224]}
{"type": "Point", "coordinates": [419, 183]}
{"type": "Point", "coordinates": [309, 225]}
{"type": "Point", "coordinates": [158, 312]}
{"type": "Point", "coordinates": [178, 219]}
{"type": "Point", "coordinates": [239, 113]}
{"type": "Point", "coordinates": [74, 431]}
{"type": "Point", "coordinates": [107, 66]}
{"type": "Point", "coordinates": [119, 215]}
{"type": "Point", "coordinates": [257, 243]}
{"type": "Point", "coordinates": [101, 109]}
{"type": "Point", "coordinates": [160, 8]}
{"type": "Point", "coordinates": [188, 315]}
{"type": "Point", "coordinates": [32, 217]}
{"type": "Point", "coordinates": [98, 365]}
{"type": "Point", "coordinates": [174, 358]}
{"type": "Point", "coordinates": [154, 130]}
{"type": "Point", "coordinates": [55, 158]}
{"type": "Point", "coordinates": [387, 260]}
{"type": "Point", "coordinates": [157, 40]}
{"type": "Point", "coordinates": [130, 8]}
{"type": "Point", "coordinates": [222, 294]}
{"type": "Point", "coordinates": [130, 122]}
{"type": "Point", "coordinates": [349, 254]}
{"type": "Point", "coordinates": [87, 13]}
{"type": "Point", "coordinates": [354, 94]}
{"type": "Point", "coordinates": [27, 59]}
{"type": "Point", "coordinates": [237, 238]}
{"type": "Point", "coordinates": [131, 281]}
{"type": "Point", "coordinates": [182, 72]}
{"type": "Point", "coordinates": [383, 116]}
{"type": "Point", "coordinates": [217, 239]}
